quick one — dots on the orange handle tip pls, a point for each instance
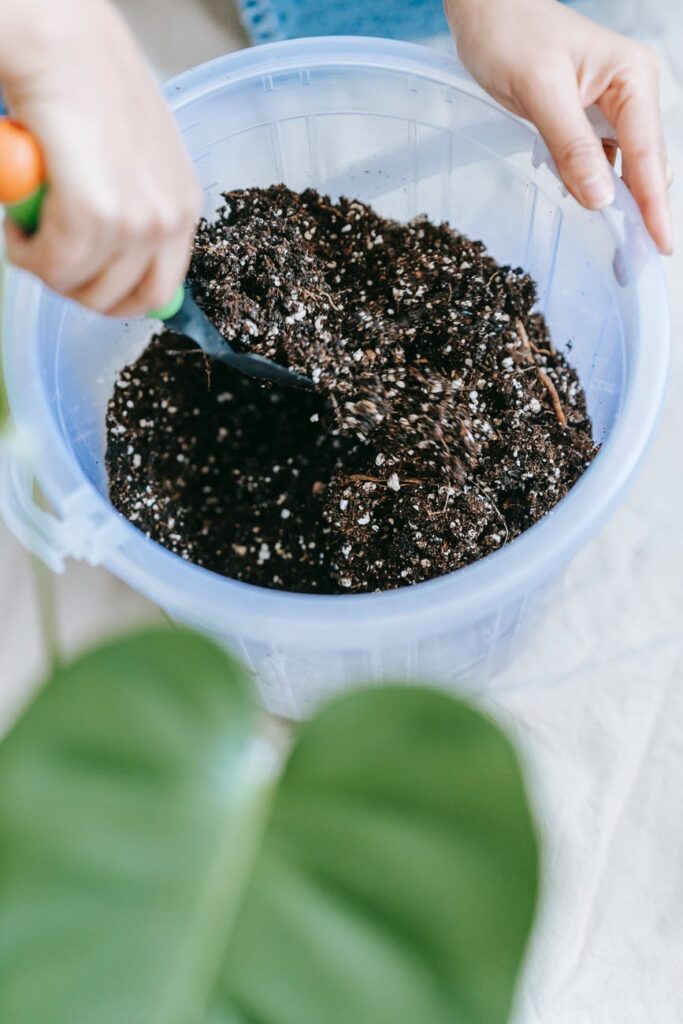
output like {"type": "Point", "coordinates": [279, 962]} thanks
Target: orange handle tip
{"type": "Point", "coordinates": [22, 168]}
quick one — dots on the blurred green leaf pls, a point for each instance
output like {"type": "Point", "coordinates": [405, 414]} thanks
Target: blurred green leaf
{"type": "Point", "coordinates": [123, 819]}
{"type": "Point", "coordinates": [397, 879]}
{"type": "Point", "coordinates": [146, 878]}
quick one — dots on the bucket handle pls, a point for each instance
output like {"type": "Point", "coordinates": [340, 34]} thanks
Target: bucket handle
{"type": "Point", "coordinates": [38, 530]}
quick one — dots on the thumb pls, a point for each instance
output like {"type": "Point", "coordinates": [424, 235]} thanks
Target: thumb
{"type": "Point", "coordinates": [17, 243]}
{"type": "Point", "coordinates": [558, 113]}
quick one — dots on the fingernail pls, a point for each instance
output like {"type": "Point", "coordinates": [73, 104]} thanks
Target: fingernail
{"type": "Point", "coordinates": [597, 191]}
{"type": "Point", "coordinates": [669, 173]}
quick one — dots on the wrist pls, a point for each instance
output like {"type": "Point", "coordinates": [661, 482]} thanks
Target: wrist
{"type": "Point", "coordinates": [21, 40]}
{"type": "Point", "coordinates": [459, 12]}
{"type": "Point", "coordinates": [35, 32]}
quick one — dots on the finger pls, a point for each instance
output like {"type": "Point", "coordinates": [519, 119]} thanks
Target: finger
{"type": "Point", "coordinates": [14, 237]}
{"type": "Point", "coordinates": [63, 254]}
{"type": "Point", "coordinates": [555, 107]}
{"type": "Point", "coordinates": [633, 107]}
{"type": "Point", "coordinates": [161, 279]}
{"type": "Point", "coordinates": [60, 262]}
{"type": "Point", "coordinates": [120, 276]}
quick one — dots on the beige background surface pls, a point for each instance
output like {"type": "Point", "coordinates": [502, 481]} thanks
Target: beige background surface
{"type": "Point", "coordinates": [597, 702]}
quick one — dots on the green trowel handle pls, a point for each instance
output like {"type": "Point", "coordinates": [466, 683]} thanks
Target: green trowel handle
{"type": "Point", "coordinates": [171, 308]}
{"type": "Point", "coordinates": [26, 212]}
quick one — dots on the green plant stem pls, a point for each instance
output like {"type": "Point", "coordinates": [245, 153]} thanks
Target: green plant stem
{"type": "Point", "coordinates": [188, 995]}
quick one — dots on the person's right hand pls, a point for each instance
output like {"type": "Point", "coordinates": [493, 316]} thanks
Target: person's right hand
{"type": "Point", "coordinates": [123, 201]}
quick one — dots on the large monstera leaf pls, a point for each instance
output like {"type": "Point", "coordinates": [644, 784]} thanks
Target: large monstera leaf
{"type": "Point", "coordinates": [152, 871]}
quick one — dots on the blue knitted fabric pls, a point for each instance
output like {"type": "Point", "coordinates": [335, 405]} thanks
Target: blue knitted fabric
{"type": "Point", "coordinates": [268, 20]}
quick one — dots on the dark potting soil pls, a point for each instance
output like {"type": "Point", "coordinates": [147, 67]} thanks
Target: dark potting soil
{"type": "Point", "coordinates": [443, 423]}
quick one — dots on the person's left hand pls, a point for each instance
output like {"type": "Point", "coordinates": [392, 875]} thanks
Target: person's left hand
{"type": "Point", "coordinates": [548, 64]}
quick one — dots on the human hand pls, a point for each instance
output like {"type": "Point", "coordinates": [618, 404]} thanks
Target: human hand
{"type": "Point", "coordinates": [121, 210]}
{"type": "Point", "coordinates": [548, 63]}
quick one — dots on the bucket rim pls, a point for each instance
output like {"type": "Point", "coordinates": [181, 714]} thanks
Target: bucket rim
{"type": "Point", "coordinates": [217, 602]}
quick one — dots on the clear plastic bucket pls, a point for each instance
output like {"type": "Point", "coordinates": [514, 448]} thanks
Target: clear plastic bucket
{"type": "Point", "coordinates": [408, 131]}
